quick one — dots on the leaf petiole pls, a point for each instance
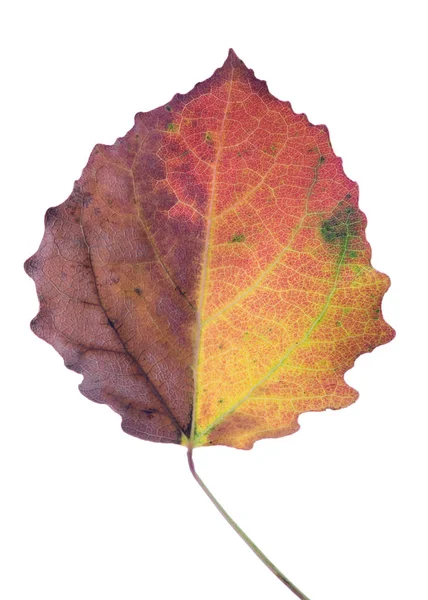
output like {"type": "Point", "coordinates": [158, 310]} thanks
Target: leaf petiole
{"type": "Point", "coordinates": [241, 533]}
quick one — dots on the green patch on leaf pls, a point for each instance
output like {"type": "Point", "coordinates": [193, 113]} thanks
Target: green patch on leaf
{"type": "Point", "coordinates": [237, 238]}
{"type": "Point", "coordinates": [341, 225]}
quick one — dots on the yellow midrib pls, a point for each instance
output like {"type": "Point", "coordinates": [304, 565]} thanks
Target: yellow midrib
{"type": "Point", "coordinates": [205, 261]}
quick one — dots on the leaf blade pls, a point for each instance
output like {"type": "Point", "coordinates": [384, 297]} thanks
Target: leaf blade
{"type": "Point", "coordinates": [209, 275]}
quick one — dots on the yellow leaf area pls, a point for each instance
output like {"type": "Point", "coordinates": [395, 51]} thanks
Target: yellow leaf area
{"type": "Point", "coordinates": [287, 297]}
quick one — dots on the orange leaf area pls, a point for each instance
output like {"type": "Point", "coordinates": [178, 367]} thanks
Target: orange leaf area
{"type": "Point", "coordinates": [209, 274]}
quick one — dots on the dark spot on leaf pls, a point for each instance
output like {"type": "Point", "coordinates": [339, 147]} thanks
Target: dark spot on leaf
{"type": "Point", "coordinates": [333, 229]}
{"type": "Point", "coordinates": [138, 291]}
{"type": "Point", "coordinates": [237, 238]}
{"type": "Point", "coordinates": [110, 322]}
{"type": "Point", "coordinates": [180, 291]}
{"type": "Point", "coordinates": [149, 412]}
{"type": "Point", "coordinates": [322, 159]}
{"type": "Point", "coordinates": [342, 224]}
{"type": "Point", "coordinates": [168, 108]}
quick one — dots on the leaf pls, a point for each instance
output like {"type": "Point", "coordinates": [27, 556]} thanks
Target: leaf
{"type": "Point", "coordinates": [209, 275]}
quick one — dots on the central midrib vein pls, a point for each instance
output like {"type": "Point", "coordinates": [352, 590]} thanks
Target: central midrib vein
{"type": "Point", "coordinates": [205, 260]}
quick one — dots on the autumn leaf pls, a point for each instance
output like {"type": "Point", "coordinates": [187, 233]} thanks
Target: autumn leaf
{"type": "Point", "coordinates": [209, 275]}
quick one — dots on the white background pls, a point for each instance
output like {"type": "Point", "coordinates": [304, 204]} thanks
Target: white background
{"type": "Point", "coordinates": [90, 513]}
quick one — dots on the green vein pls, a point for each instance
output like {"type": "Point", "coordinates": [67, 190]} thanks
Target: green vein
{"type": "Point", "coordinates": [290, 350]}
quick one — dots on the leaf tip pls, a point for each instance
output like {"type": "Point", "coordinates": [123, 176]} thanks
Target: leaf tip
{"type": "Point", "coordinates": [233, 59]}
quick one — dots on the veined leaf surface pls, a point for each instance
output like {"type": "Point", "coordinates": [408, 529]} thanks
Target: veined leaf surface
{"type": "Point", "coordinates": [209, 275]}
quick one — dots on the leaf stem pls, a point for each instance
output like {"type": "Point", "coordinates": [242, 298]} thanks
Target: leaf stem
{"type": "Point", "coordinates": [241, 533]}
